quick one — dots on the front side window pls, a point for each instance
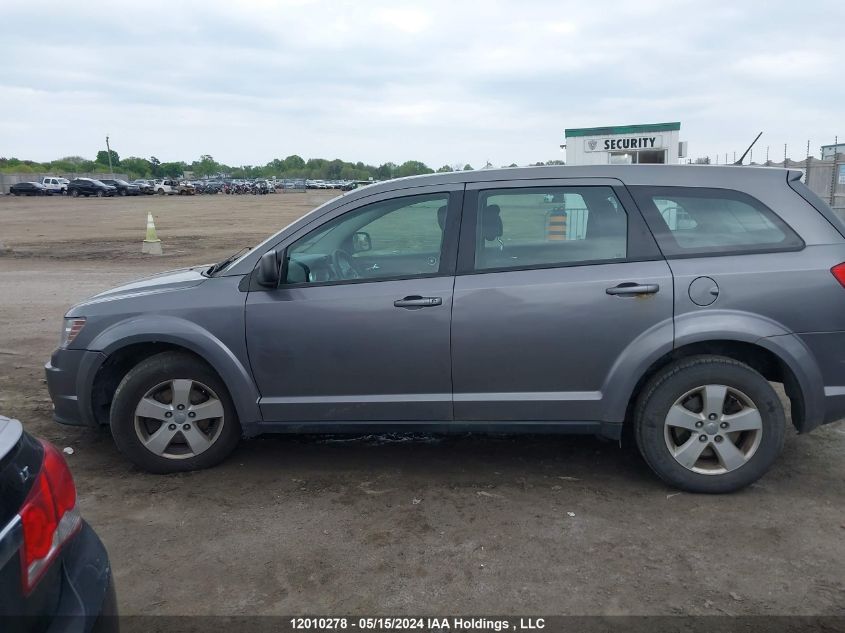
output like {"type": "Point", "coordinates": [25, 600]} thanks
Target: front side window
{"type": "Point", "coordinates": [401, 237]}
{"type": "Point", "coordinates": [551, 226]}
{"type": "Point", "coordinates": [699, 221]}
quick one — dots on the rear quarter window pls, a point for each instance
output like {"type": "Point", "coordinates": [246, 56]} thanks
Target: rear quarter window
{"type": "Point", "coordinates": [691, 221]}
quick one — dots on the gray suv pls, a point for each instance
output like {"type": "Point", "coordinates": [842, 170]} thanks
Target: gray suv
{"type": "Point", "coordinates": [552, 299]}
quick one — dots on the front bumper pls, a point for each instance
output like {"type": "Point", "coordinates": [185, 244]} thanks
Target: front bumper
{"type": "Point", "coordinates": [70, 376]}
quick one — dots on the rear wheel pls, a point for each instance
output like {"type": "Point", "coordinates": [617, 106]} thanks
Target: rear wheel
{"type": "Point", "coordinates": [709, 424]}
{"type": "Point", "coordinates": [74, 194]}
{"type": "Point", "coordinates": [161, 192]}
{"type": "Point", "coordinates": [123, 192]}
{"type": "Point", "coordinates": [172, 413]}
{"type": "Point", "coordinates": [99, 193]}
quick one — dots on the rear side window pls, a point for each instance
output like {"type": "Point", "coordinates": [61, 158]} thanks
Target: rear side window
{"type": "Point", "coordinates": [690, 221]}
{"type": "Point", "coordinates": [548, 227]}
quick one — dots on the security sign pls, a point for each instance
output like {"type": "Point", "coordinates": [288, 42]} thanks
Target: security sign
{"type": "Point", "coordinates": [622, 143]}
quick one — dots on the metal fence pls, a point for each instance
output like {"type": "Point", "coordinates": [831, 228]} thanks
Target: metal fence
{"type": "Point", "coordinates": [7, 180]}
{"type": "Point", "coordinates": [826, 178]}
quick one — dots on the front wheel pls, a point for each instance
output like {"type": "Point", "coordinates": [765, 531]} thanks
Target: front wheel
{"type": "Point", "coordinates": [172, 413]}
{"type": "Point", "coordinates": [74, 194]}
{"type": "Point", "coordinates": [99, 194]}
{"type": "Point", "coordinates": [709, 424]}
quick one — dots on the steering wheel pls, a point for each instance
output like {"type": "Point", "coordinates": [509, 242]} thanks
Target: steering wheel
{"type": "Point", "coordinates": [344, 265]}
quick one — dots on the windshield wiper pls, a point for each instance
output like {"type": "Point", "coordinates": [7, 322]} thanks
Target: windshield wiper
{"type": "Point", "coordinates": [216, 268]}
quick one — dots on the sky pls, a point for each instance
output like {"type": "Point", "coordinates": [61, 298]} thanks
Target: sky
{"type": "Point", "coordinates": [445, 82]}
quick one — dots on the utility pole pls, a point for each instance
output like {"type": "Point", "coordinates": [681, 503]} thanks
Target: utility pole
{"type": "Point", "coordinates": [108, 151]}
{"type": "Point", "coordinates": [767, 154]}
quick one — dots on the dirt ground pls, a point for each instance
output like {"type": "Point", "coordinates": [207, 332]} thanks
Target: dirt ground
{"type": "Point", "coordinates": [395, 525]}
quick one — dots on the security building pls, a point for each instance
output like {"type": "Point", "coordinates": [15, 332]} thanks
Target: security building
{"type": "Point", "coordinates": [654, 143]}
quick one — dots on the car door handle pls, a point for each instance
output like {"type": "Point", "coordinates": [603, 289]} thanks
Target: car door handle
{"type": "Point", "coordinates": [631, 288]}
{"type": "Point", "coordinates": [416, 301]}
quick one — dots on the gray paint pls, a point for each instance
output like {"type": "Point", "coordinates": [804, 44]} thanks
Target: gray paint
{"type": "Point", "coordinates": [545, 347]}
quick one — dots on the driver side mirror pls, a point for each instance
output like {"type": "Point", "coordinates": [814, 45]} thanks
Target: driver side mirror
{"type": "Point", "coordinates": [361, 242]}
{"type": "Point", "coordinates": [269, 270]}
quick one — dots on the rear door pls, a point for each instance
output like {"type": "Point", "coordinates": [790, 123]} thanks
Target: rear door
{"type": "Point", "coordinates": [561, 293]}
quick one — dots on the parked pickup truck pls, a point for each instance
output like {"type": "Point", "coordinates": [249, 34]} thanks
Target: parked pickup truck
{"type": "Point", "coordinates": [55, 185]}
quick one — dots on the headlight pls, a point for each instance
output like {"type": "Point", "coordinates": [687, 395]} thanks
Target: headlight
{"type": "Point", "coordinates": [71, 328]}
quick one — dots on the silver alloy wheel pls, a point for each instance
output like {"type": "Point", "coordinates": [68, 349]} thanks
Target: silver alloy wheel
{"type": "Point", "coordinates": [713, 429]}
{"type": "Point", "coordinates": [179, 418]}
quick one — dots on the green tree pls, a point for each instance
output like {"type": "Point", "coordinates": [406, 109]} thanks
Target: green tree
{"type": "Point", "coordinates": [155, 166]}
{"type": "Point", "coordinates": [206, 166]}
{"type": "Point", "coordinates": [467, 167]}
{"type": "Point", "coordinates": [103, 158]}
{"type": "Point", "coordinates": [136, 167]}
{"type": "Point", "coordinates": [172, 170]}
{"type": "Point", "coordinates": [385, 171]}
{"type": "Point", "coordinates": [294, 163]}
{"type": "Point", "coordinates": [412, 168]}
{"type": "Point", "coordinates": [445, 169]}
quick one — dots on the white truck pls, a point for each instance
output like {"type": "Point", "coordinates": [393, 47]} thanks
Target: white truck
{"type": "Point", "coordinates": [55, 185]}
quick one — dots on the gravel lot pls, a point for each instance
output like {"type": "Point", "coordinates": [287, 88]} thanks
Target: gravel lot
{"type": "Point", "coordinates": [392, 525]}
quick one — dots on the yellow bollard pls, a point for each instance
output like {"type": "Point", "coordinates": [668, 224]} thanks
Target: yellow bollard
{"type": "Point", "coordinates": [556, 225]}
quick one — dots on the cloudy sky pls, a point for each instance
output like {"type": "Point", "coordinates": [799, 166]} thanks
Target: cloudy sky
{"type": "Point", "coordinates": [446, 82]}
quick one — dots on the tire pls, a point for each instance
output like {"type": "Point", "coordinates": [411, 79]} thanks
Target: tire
{"type": "Point", "coordinates": [122, 192]}
{"type": "Point", "coordinates": [161, 192]}
{"type": "Point", "coordinates": [671, 419]}
{"type": "Point", "coordinates": [74, 193]}
{"type": "Point", "coordinates": [149, 383]}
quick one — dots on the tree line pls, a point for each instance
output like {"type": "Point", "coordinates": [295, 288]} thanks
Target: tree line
{"type": "Point", "coordinates": [293, 166]}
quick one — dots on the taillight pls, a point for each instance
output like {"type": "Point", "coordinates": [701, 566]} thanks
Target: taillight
{"type": "Point", "coordinates": [839, 272]}
{"type": "Point", "coordinates": [49, 517]}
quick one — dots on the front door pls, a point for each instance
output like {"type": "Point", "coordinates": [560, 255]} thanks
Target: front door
{"type": "Point", "coordinates": [560, 291]}
{"type": "Point", "coordinates": [359, 328]}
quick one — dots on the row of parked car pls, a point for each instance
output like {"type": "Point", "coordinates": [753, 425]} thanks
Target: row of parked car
{"type": "Point", "coordinates": [104, 187]}
{"type": "Point", "coordinates": [54, 185]}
